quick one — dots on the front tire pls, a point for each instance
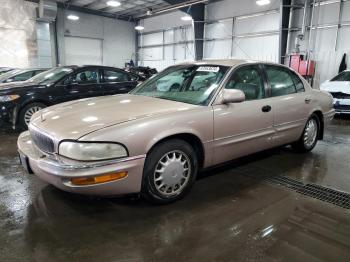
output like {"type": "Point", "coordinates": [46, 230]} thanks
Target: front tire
{"type": "Point", "coordinates": [311, 133]}
{"type": "Point", "coordinates": [170, 171]}
{"type": "Point", "coordinates": [27, 112]}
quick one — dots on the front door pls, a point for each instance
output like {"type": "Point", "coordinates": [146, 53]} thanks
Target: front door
{"type": "Point", "coordinates": [79, 85]}
{"type": "Point", "coordinates": [246, 127]}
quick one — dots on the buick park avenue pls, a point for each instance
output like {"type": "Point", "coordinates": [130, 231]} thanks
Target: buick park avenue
{"type": "Point", "coordinates": [154, 141]}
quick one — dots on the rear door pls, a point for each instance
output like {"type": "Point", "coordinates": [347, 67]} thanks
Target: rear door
{"type": "Point", "coordinates": [116, 81]}
{"type": "Point", "coordinates": [290, 102]}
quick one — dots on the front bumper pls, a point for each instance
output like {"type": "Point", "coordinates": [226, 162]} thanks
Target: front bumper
{"type": "Point", "coordinates": [328, 116]}
{"type": "Point", "coordinates": [58, 171]}
{"type": "Point", "coordinates": [341, 106]}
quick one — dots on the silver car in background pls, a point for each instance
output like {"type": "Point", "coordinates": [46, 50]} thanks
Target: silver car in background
{"type": "Point", "coordinates": [154, 140]}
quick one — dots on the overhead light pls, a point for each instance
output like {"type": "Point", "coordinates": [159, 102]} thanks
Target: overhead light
{"type": "Point", "coordinates": [73, 17]}
{"type": "Point", "coordinates": [113, 3]}
{"type": "Point", "coordinates": [139, 27]}
{"type": "Point", "coordinates": [263, 2]}
{"type": "Point", "coordinates": [186, 18]}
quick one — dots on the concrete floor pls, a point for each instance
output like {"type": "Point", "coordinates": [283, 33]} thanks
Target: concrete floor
{"type": "Point", "coordinates": [227, 217]}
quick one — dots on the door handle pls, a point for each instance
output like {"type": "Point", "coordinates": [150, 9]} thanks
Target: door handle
{"type": "Point", "coordinates": [307, 100]}
{"type": "Point", "coordinates": [266, 108]}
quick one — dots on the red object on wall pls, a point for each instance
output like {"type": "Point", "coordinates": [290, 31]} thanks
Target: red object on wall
{"type": "Point", "coordinates": [303, 67]}
{"type": "Point", "coordinates": [307, 68]}
{"type": "Point", "coordinates": [295, 62]}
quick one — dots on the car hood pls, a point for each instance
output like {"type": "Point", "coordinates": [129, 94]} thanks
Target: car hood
{"type": "Point", "coordinates": [7, 88]}
{"type": "Point", "coordinates": [336, 86]}
{"type": "Point", "coordinates": [73, 120]}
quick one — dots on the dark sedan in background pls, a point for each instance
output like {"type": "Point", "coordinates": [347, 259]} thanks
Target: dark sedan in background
{"type": "Point", "coordinates": [17, 75]}
{"type": "Point", "coordinates": [4, 70]}
{"type": "Point", "coordinates": [19, 101]}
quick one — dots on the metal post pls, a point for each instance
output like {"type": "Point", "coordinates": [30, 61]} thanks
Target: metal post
{"type": "Point", "coordinates": [233, 35]}
{"type": "Point", "coordinates": [284, 23]}
{"type": "Point", "coordinates": [341, 5]}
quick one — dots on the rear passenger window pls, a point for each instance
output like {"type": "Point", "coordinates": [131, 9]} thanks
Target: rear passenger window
{"type": "Point", "coordinates": [115, 76]}
{"type": "Point", "coordinates": [248, 80]}
{"type": "Point", "coordinates": [297, 82]}
{"type": "Point", "coordinates": [280, 81]}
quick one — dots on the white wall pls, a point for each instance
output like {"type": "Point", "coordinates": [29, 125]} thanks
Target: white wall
{"type": "Point", "coordinates": [170, 43]}
{"type": "Point", "coordinates": [249, 35]}
{"type": "Point", "coordinates": [118, 37]}
{"type": "Point", "coordinates": [24, 42]}
{"type": "Point", "coordinates": [229, 8]}
{"type": "Point", "coordinates": [164, 21]}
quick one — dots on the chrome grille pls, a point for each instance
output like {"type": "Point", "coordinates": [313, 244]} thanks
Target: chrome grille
{"type": "Point", "coordinates": [42, 141]}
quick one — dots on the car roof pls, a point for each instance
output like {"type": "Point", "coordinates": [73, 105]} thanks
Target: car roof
{"type": "Point", "coordinates": [86, 66]}
{"type": "Point", "coordinates": [227, 62]}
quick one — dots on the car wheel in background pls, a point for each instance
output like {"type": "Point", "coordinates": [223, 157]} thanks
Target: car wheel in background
{"type": "Point", "coordinates": [308, 139]}
{"type": "Point", "coordinates": [170, 171]}
{"type": "Point", "coordinates": [27, 112]}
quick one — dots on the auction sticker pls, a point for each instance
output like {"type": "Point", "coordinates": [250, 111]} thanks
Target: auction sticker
{"type": "Point", "coordinates": [214, 69]}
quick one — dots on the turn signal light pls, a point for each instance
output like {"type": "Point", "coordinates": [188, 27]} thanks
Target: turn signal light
{"type": "Point", "coordinates": [83, 181]}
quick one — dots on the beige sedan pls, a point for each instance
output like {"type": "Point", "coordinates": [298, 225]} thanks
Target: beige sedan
{"type": "Point", "coordinates": [154, 140]}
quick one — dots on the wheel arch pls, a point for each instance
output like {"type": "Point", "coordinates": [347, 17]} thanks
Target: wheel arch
{"type": "Point", "coordinates": [319, 114]}
{"type": "Point", "coordinates": [23, 105]}
{"type": "Point", "coordinates": [191, 139]}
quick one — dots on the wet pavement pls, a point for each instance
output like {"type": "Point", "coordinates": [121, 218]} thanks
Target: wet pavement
{"type": "Point", "coordinates": [228, 216]}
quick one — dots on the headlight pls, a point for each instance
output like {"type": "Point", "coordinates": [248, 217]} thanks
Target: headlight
{"type": "Point", "coordinates": [92, 151]}
{"type": "Point", "coordinates": [8, 98]}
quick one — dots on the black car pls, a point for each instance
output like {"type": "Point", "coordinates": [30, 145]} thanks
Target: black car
{"type": "Point", "coordinates": [143, 71]}
{"type": "Point", "coordinates": [19, 101]}
{"type": "Point", "coordinates": [17, 75]}
{"type": "Point", "coordinates": [4, 70]}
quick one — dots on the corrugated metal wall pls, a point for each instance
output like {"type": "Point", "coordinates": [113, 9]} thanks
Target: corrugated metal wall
{"type": "Point", "coordinates": [330, 36]}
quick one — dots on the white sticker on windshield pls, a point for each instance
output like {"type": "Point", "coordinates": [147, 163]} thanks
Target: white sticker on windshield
{"type": "Point", "coordinates": [214, 69]}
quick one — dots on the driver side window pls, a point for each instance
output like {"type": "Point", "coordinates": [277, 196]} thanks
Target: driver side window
{"type": "Point", "coordinates": [248, 79]}
{"type": "Point", "coordinates": [83, 77]}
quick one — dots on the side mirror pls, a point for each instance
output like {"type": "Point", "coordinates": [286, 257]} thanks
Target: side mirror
{"type": "Point", "coordinates": [231, 96]}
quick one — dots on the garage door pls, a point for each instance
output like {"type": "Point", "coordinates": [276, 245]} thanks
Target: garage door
{"type": "Point", "coordinates": [83, 51]}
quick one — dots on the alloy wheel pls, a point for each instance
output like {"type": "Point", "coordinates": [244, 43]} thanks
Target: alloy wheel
{"type": "Point", "coordinates": [30, 112]}
{"type": "Point", "coordinates": [172, 173]}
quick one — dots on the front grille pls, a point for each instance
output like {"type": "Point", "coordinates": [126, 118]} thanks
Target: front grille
{"type": "Point", "coordinates": [340, 95]}
{"type": "Point", "coordinates": [42, 141]}
{"type": "Point", "coordinates": [341, 107]}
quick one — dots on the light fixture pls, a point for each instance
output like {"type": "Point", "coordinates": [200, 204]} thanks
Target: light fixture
{"type": "Point", "coordinates": [186, 18]}
{"type": "Point", "coordinates": [113, 3]}
{"type": "Point", "coordinates": [263, 2]}
{"type": "Point", "coordinates": [139, 27]}
{"type": "Point", "coordinates": [73, 17]}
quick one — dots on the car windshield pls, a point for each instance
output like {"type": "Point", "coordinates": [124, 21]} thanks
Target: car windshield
{"type": "Point", "coordinates": [193, 84]}
{"type": "Point", "coordinates": [51, 75]}
{"type": "Point", "coordinates": [344, 76]}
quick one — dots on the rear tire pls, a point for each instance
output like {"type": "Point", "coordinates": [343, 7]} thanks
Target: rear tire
{"type": "Point", "coordinates": [311, 133]}
{"type": "Point", "coordinates": [27, 112]}
{"type": "Point", "coordinates": [170, 171]}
